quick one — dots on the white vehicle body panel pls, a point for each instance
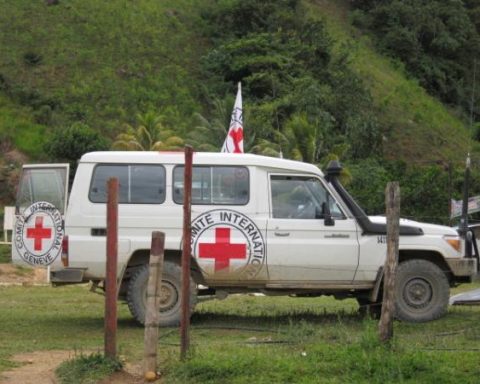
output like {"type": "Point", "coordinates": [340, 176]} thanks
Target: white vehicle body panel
{"type": "Point", "coordinates": [295, 251]}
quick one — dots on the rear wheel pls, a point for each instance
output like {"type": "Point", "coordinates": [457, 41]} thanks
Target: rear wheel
{"type": "Point", "coordinates": [421, 292]}
{"type": "Point", "coordinates": [170, 301]}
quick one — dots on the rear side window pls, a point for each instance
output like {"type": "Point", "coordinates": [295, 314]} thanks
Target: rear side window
{"type": "Point", "coordinates": [214, 185]}
{"type": "Point", "coordinates": [42, 184]}
{"type": "Point", "coordinates": [139, 183]}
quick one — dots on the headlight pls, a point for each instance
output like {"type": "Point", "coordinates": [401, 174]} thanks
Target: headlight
{"type": "Point", "coordinates": [454, 242]}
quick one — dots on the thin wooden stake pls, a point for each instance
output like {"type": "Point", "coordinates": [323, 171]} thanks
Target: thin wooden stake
{"type": "Point", "coordinates": [392, 202]}
{"type": "Point", "coordinates": [152, 313]}
{"type": "Point", "coordinates": [111, 270]}
{"type": "Point", "coordinates": [186, 254]}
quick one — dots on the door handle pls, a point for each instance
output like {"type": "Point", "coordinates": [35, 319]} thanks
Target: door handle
{"type": "Point", "coordinates": [282, 234]}
{"type": "Point", "coordinates": [337, 236]}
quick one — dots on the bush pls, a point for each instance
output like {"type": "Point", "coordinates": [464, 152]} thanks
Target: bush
{"type": "Point", "coordinates": [86, 369]}
{"type": "Point", "coordinates": [71, 143]}
{"type": "Point", "coordinates": [437, 40]}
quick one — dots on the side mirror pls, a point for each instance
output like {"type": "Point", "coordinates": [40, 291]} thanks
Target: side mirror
{"type": "Point", "coordinates": [325, 215]}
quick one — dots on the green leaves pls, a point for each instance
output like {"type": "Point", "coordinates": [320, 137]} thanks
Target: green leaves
{"type": "Point", "coordinates": [437, 40]}
{"type": "Point", "coordinates": [148, 135]}
{"type": "Point", "coordinates": [301, 97]}
{"type": "Point", "coordinates": [71, 143]}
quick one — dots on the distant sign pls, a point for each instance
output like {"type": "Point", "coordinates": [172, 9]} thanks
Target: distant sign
{"type": "Point", "coordinates": [456, 206]}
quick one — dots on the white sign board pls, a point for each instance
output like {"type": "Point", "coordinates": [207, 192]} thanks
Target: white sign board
{"type": "Point", "coordinates": [456, 206]}
{"type": "Point", "coordinates": [8, 220]}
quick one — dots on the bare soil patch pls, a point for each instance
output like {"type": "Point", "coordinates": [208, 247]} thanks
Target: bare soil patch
{"type": "Point", "coordinates": [39, 368]}
{"type": "Point", "coordinates": [12, 274]}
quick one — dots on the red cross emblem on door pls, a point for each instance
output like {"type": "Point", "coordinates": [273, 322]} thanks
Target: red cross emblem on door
{"type": "Point", "coordinates": [222, 250]}
{"type": "Point", "coordinates": [39, 233]}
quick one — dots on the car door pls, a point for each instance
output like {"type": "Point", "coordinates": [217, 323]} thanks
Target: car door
{"type": "Point", "coordinates": [39, 214]}
{"type": "Point", "coordinates": [227, 233]}
{"type": "Point", "coordinates": [305, 246]}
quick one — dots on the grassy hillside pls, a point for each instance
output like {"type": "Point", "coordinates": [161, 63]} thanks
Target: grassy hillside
{"type": "Point", "coordinates": [417, 127]}
{"type": "Point", "coordinates": [100, 63]}
{"type": "Point", "coordinates": [95, 62]}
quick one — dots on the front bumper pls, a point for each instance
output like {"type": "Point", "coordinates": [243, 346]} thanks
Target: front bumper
{"type": "Point", "coordinates": [463, 266]}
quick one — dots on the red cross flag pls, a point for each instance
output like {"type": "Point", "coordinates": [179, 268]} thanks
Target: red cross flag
{"type": "Point", "coordinates": [234, 141]}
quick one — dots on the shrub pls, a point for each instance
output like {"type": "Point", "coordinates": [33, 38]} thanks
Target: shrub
{"type": "Point", "coordinates": [71, 143]}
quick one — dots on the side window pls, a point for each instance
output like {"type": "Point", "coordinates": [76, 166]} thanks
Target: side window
{"type": "Point", "coordinates": [214, 185]}
{"type": "Point", "coordinates": [298, 197]}
{"type": "Point", "coordinates": [147, 184]}
{"type": "Point", "coordinates": [138, 184]}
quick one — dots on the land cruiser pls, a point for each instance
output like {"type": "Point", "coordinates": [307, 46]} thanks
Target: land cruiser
{"type": "Point", "coordinates": [259, 224]}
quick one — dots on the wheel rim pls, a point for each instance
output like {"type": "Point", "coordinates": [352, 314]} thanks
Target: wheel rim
{"type": "Point", "coordinates": [418, 293]}
{"type": "Point", "coordinates": [169, 296]}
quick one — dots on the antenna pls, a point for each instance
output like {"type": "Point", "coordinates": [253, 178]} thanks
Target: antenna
{"type": "Point", "coordinates": [472, 101]}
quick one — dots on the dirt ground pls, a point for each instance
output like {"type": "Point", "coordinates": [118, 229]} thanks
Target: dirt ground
{"type": "Point", "coordinates": [39, 367]}
{"type": "Point", "coordinates": [13, 275]}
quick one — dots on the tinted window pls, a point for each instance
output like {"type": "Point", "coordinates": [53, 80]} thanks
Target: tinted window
{"type": "Point", "coordinates": [214, 185]}
{"type": "Point", "coordinates": [139, 184]}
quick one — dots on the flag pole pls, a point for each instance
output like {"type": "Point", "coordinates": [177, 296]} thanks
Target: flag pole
{"type": "Point", "coordinates": [464, 220]}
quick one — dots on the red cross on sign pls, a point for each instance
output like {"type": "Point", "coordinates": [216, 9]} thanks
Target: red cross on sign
{"type": "Point", "coordinates": [39, 233]}
{"type": "Point", "coordinates": [222, 250]}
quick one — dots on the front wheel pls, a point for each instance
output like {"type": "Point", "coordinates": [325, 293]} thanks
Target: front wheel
{"type": "Point", "coordinates": [170, 302]}
{"type": "Point", "coordinates": [421, 292]}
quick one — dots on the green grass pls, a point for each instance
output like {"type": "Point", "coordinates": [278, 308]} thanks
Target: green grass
{"type": "Point", "coordinates": [5, 253]}
{"type": "Point", "coordinates": [18, 127]}
{"type": "Point", "coordinates": [86, 369]}
{"type": "Point", "coordinates": [99, 64]}
{"type": "Point", "coordinates": [246, 339]}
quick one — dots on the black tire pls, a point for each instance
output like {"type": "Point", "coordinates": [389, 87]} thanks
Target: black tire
{"type": "Point", "coordinates": [421, 292]}
{"type": "Point", "coordinates": [170, 305]}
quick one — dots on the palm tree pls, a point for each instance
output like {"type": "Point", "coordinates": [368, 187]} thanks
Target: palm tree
{"type": "Point", "coordinates": [208, 135]}
{"type": "Point", "coordinates": [149, 135]}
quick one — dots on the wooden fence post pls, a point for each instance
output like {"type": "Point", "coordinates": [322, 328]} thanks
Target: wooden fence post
{"type": "Point", "coordinates": [186, 254]}
{"type": "Point", "coordinates": [152, 314]}
{"type": "Point", "coordinates": [392, 202]}
{"type": "Point", "coordinates": [111, 270]}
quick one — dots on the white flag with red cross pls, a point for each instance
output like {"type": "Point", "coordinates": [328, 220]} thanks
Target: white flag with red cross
{"type": "Point", "coordinates": [234, 141]}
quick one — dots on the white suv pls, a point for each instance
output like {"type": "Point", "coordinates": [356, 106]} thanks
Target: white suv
{"type": "Point", "coordinates": [259, 224]}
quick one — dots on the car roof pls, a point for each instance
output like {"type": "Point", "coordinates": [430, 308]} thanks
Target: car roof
{"type": "Point", "coordinates": [199, 158]}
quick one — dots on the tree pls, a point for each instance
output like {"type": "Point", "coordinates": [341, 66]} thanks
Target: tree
{"type": "Point", "coordinates": [148, 135]}
{"type": "Point", "coordinates": [71, 143]}
{"type": "Point", "coordinates": [302, 96]}
{"type": "Point", "coordinates": [209, 134]}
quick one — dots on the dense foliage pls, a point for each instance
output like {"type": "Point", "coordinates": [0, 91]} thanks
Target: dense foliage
{"type": "Point", "coordinates": [71, 143]}
{"type": "Point", "coordinates": [437, 40]}
{"type": "Point", "coordinates": [425, 190]}
{"type": "Point", "coordinates": [303, 99]}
